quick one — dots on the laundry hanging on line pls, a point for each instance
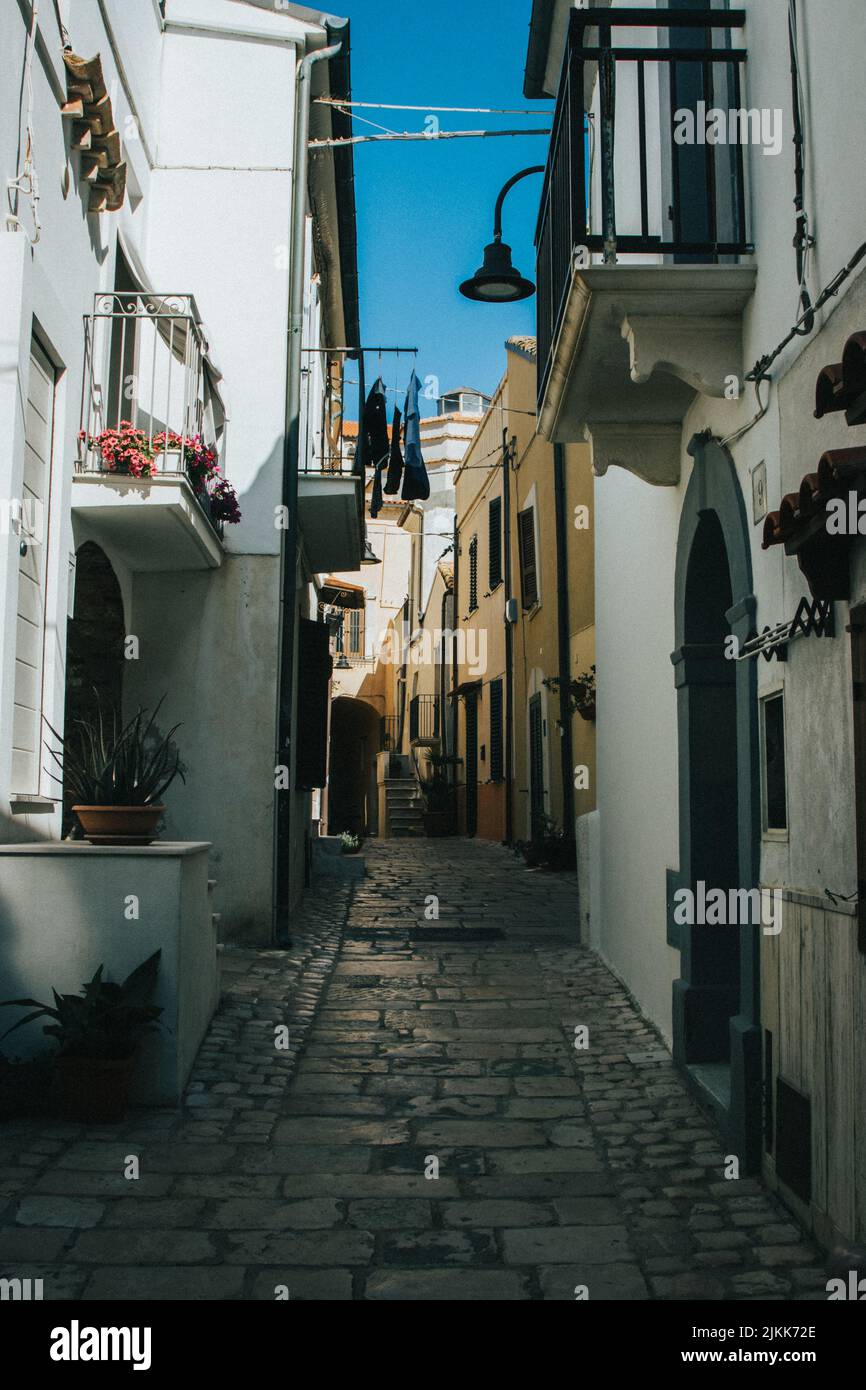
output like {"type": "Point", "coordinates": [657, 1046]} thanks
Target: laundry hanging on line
{"type": "Point", "coordinates": [376, 443]}
{"type": "Point", "coordinates": [395, 460]}
{"type": "Point", "coordinates": [416, 484]}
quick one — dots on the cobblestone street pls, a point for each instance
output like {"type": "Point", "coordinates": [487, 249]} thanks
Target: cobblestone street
{"type": "Point", "coordinates": [414, 1042]}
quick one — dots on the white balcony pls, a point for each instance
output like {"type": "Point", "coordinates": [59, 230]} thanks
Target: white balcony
{"type": "Point", "coordinates": [634, 347]}
{"type": "Point", "coordinates": [152, 431]}
{"type": "Point", "coordinates": [157, 524]}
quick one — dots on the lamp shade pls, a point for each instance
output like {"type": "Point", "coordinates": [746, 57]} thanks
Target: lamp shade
{"type": "Point", "coordinates": [497, 281]}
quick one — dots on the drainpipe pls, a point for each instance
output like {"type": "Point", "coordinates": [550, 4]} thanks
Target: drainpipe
{"type": "Point", "coordinates": [566, 749]}
{"type": "Point", "coordinates": [509, 641]}
{"type": "Point", "coordinates": [442, 681]}
{"type": "Point", "coordinates": [454, 712]}
{"type": "Point", "coordinates": [291, 452]}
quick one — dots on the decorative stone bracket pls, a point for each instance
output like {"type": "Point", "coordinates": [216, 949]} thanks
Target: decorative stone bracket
{"type": "Point", "coordinates": [705, 353]}
{"type": "Point", "coordinates": [650, 451]}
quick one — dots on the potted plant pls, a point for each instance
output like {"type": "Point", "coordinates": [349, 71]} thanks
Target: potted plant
{"type": "Point", "coordinates": [126, 450]}
{"type": "Point", "coordinates": [581, 693]}
{"type": "Point", "coordinates": [116, 776]}
{"type": "Point", "coordinates": [549, 847]}
{"type": "Point", "coordinates": [132, 453]}
{"type": "Point", "coordinates": [99, 1032]}
{"type": "Point", "coordinates": [349, 843]}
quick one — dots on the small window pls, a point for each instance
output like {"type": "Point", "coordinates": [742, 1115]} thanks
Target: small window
{"type": "Point", "coordinates": [473, 574]}
{"type": "Point", "coordinates": [775, 788]}
{"type": "Point", "coordinates": [494, 543]}
{"type": "Point", "coordinates": [528, 568]}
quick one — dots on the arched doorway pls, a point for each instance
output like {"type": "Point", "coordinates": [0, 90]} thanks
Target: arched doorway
{"type": "Point", "coordinates": [94, 643]}
{"type": "Point", "coordinates": [355, 740]}
{"type": "Point", "coordinates": [716, 1020]}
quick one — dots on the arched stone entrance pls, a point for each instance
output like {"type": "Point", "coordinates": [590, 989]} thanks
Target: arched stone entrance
{"type": "Point", "coordinates": [354, 744]}
{"type": "Point", "coordinates": [716, 1018]}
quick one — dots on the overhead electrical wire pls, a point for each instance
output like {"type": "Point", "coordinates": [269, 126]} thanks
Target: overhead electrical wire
{"type": "Point", "coordinates": [430, 136]}
{"type": "Point", "coordinates": [464, 110]}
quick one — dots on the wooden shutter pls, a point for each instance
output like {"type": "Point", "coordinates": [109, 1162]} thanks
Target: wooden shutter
{"type": "Point", "coordinates": [473, 574]}
{"type": "Point", "coordinates": [27, 731]}
{"type": "Point", "coordinates": [858, 668]}
{"type": "Point", "coordinates": [496, 730]}
{"type": "Point", "coordinates": [355, 645]}
{"type": "Point", "coordinates": [528, 570]}
{"type": "Point", "coordinates": [314, 677]}
{"type": "Point", "coordinates": [536, 767]}
{"type": "Point", "coordinates": [494, 543]}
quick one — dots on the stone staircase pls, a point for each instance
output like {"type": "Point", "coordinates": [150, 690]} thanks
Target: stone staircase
{"type": "Point", "coordinates": [404, 806]}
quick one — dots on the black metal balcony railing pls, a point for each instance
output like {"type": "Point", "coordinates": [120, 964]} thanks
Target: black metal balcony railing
{"type": "Point", "coordinates": [688, 200]}
{"type": "Point", "coordinates": [326, 449]}
{"type": "Point", "coordinates": [424, 717]}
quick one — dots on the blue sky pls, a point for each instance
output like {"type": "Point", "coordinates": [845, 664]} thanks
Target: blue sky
{"type": "Point", "coordinates": [425, 209]}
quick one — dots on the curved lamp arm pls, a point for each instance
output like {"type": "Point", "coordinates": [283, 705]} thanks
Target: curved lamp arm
{"type": "Point", "coordinates": [515, 178]}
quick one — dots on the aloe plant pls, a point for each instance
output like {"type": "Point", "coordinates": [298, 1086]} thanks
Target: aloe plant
{"type": "Point", "coordinates": [118, 764]}
{"type": "Point", "coordinates": [104, 1020]}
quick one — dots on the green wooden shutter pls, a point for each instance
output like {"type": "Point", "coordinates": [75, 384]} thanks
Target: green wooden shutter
{"type": "Point", "coordinates": [528, 569]}
{"type": "Point", "coordinates": [314, 677]}
{"type": "Point", "coordinates": [496, 748]}
{"type": "Point", "coordinates": [494, 543]}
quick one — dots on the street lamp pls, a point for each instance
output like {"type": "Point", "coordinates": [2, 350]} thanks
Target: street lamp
{"type": "Point", "coordinates": [497, 281]}
{"type": "Point", "coordinates": [370, 556]}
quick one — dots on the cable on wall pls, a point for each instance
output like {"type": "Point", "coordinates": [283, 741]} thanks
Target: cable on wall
{"type": "Point", "coordinates": [26, 181]}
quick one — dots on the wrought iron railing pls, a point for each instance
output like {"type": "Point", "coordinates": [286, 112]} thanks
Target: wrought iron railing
{"type": "Point", "coordinates": [326, 450]}
{"type": "Point", "coordinates": [148, 378]}
{"type": "Point", "coordinates": [686, 201]}
{"type": "Point", "coordinates": [424, 720]}
{"type": "Point", "coordinates": [389, 742]}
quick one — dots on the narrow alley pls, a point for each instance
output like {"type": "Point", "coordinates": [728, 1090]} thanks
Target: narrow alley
{"type": "Point", "coordinates": [435, 1130]}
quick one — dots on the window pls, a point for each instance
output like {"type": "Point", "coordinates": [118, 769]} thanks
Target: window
{"type": "Point", "coordinates": [775, 791]}
{"type": "Point", "coordinates": [528, 569]}
{"type": "Point", "coordinates": [494, 543]}
{"type": "Point", "coordinates": [473, 574]}
{"type": "Point", "coordinates": [353, 626]}
{"type": "Point", "coordinates": [496, 731]}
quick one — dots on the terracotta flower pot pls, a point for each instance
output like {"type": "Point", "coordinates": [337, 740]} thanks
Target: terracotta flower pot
{"type": "Point", "coordinates": [93, 1090]}
{"type": "Point", "coordinates": [119, 825]}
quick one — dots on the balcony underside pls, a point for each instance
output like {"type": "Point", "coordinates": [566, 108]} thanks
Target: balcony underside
{"type": "Point", "coordinates": [155, 524]}
{"type": "Point", "coordinates": [331, 523]}
{"type": "Point", "coordinates": [635, 345]}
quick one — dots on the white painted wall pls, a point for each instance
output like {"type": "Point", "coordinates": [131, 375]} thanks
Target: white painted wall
{"type": "Point", "coordinates": [205, 105]}
{"type": "Point", "coordinates": [637, 525]}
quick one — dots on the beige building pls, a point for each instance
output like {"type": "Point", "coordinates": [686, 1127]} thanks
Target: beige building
{"type": "Point", "coordinates": [525, 617]}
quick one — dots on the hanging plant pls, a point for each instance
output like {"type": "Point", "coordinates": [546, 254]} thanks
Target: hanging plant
{"type": "Point", "coordinates": [581, 693]}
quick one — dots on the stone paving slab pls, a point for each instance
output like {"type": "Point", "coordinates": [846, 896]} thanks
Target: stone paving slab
{"type": "Point", "coordinates": [430, 1134]}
